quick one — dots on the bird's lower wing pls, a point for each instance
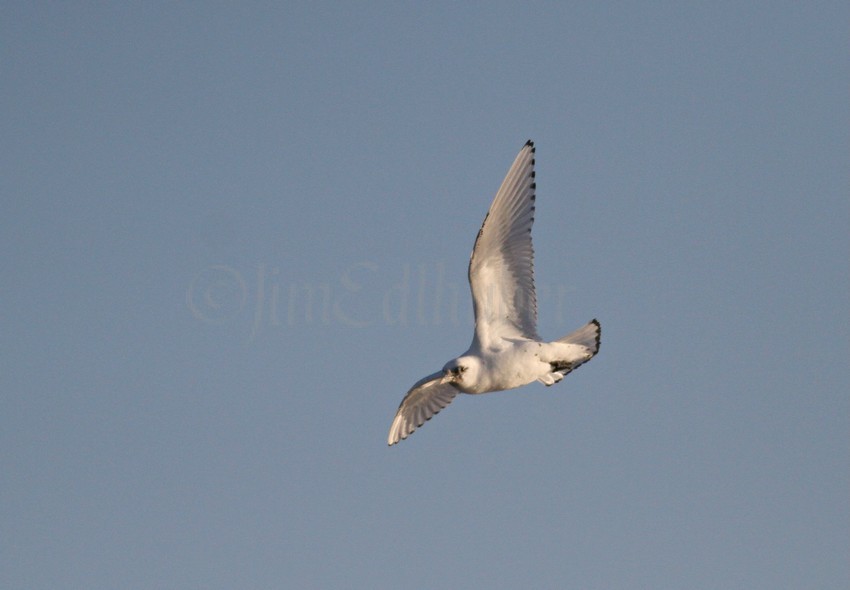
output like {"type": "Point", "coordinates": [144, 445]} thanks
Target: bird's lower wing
{"type": "Point", "coordinates": [426, 398]}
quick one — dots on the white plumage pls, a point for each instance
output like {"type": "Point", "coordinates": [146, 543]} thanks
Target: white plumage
{"type": "Point", "coordinates": [506, 351]}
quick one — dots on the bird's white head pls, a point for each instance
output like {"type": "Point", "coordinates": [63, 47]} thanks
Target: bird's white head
{"type": "Point", "coordinates": [463, 372]}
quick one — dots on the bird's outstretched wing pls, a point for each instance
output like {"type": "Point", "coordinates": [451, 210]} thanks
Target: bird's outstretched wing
{"type": "Point", "coordinates": [501, 270]}
{"type": "Point", "coordinates": [426, 398]}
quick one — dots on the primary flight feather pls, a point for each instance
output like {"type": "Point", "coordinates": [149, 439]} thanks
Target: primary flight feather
{"type": "Point", "coordinates": [506, 351]}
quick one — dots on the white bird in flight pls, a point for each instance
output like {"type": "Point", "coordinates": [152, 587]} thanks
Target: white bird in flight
{"type": "Point", "coordinates": [506, 351]}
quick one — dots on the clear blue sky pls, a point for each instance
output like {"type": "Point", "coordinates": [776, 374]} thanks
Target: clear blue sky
{"type": "Point", "coordinates": [233, 236]}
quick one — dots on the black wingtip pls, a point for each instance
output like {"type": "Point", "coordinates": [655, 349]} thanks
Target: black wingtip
{"type": "Point", "coordinates": [529, 143]}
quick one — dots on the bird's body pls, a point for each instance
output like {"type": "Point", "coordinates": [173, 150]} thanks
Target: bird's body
{"type": "Point", "coordinates": [506, 351]}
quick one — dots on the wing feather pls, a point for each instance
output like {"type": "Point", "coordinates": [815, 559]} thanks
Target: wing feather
{"type": "Point", "coordinates": [501, 269]}
{"type": "Point", "coordinates": [424, 400]}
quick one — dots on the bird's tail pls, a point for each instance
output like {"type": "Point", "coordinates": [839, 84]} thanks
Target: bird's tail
{"type": "Point", "coordinates": [588, 336]}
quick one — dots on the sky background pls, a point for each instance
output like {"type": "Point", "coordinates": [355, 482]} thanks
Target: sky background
{"type": "Point", "coordinates": [234, 236]}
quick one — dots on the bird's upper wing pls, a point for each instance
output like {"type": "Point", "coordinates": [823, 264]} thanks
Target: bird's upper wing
{"type": "Point", "coordinates": [501, 270]}
{"type": "Point", "coordinates": [426, 398]}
